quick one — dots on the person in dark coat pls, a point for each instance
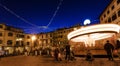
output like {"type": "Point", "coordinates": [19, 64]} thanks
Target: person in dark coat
{"type": "Point", "coordinates": [117, 44]}
{"type": "Point", "coordinates": [109, 49]}
{"type": "Point", "coordinates": [67, 48]}
{"type": "Point", "coordinates": [118, 48]}
{"type": "Point", "coordinates": [56, 51]}
{"type": "Point", "coordinates": [89, 56]}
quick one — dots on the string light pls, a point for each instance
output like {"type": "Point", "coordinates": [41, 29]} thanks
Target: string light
{"type": "Point", "coordinates": [26, 21]}
{"type": "Point", "coordinates": [58, 7]}
{"type": "Point", "coordinates": [10, 11]}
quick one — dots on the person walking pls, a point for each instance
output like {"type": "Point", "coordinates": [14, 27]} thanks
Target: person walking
{"type": "Point", "coordinates": [56, 51]}
{"type": "Point", "coordinates": [72, 55]}
{"type": "Point", "coordinates": [109, 50]}
{"type": "Point", "coordinates": [67, 54]}
{"type": "Point", "coordinates": [118, 48]}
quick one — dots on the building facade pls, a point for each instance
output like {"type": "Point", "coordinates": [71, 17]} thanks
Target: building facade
{"type": "Point", "coordinates": [111, 13]}
{"type": "Point", "coordinates": [45, 39]}
{"type": "Point", "coordinates": [11, 38]}
{"type": "Point", "coordinates": [14, 39]}
{"type": "Point", "coordinates": [57, 37]}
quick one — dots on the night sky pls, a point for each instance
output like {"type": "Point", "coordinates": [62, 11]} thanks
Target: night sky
{"type": "Point", "coordinates": [34, 16]}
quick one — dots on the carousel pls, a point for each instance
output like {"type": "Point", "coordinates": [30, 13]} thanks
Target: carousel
{"type": "Point", "coordinates": [90, 34]}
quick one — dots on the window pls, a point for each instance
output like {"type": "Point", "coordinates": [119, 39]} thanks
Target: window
{"type": "Point", "coordinates": [28, 37]}
{"type": "Point", "coordinates": [119, 13]}
{"type": "Point", "coordinates": [17, 35]}
{"type": "Point", "coordinates": [114, 17]}
{"type": "Point", "coordinates": [0, 41]}
{"type": "Point", "coordinates": [101, 19]}
{"type": "Point", "coordinates": [17, 43]}
{"type": "Point", "coordinates": [22, 43]}
{"type": "Point", "coordinates": [0, 34]}
{"type": "Point", "coordinates": [104, 15]}
{"type": "Point", "coordinates": [42, 36]}
{"type": "Point", "coordinates": [1, 26]}
{"type": "Point", "coordinates": [9, 42]}
{"type": "Point", "coordinates": [21, 36]}
{"type": "Point", "coordinates": [10, 34]}
{"type": "Point", "coordinates": [8, 28]}
{"type": "Point", "coordinates": [109, 20]}
{"type": "Point", "coordinates": [108, 12]}
{"type": "Point", "coordinates": [61, 36]}
{"type": "Point", "coordinates": [112, 7]}
{"type": "Point", "coordinates": [118, 1]}
{"type": "Point", "coordinates": [50, 35]}
{"type": "Point", "coordinates": [28, 43]}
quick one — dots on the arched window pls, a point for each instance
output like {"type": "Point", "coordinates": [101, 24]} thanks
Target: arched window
{"type": "Point", "coordinates": [28, 37]}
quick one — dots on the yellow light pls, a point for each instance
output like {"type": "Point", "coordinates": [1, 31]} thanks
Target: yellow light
{"type": "Point", "coordinates": [105, 28]}
{"type": "Point", "coordinates": [90, 34]}
{"type": "Point", "coordinates": [33, 38]}
{"type": "Point", "coordinates": [20, 39]}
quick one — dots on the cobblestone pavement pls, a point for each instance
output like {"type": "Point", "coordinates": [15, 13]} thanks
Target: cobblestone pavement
{"type": "Point", "coordinates": [48, 61]}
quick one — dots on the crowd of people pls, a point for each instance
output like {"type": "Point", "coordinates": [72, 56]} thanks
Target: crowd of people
{"type": "Point", "coordinates": [63, 53]}
{"type": "Point", "coordinates": [111, 49]}
{"type": "Point", "coordinates": [66, 53]}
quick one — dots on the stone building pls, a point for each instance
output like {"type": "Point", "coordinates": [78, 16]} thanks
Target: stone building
{"type": "Point", "coordinates": [111, 14]}
{"type": "Point", "coordinates": [11, 38]}
{"type": "Point", "coordinates": [57, 37]}
{"type": "Point", "coordinates": [45, 39]}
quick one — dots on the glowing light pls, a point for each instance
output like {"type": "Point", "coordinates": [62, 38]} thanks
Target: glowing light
{"type": "Point", "coordinates": [87, 21]}
{"type": "Point", "coordinates": [90, 34]}
{"type": "Point", "coordinates": [33, 38]}
{"type": "Point", "coordinates": [101, 28]}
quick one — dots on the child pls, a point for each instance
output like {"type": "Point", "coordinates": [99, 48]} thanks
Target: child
{"type": "Point", "coordinates": [89, 56]}
{"type": "Point", "coordinates": [59, 56]}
